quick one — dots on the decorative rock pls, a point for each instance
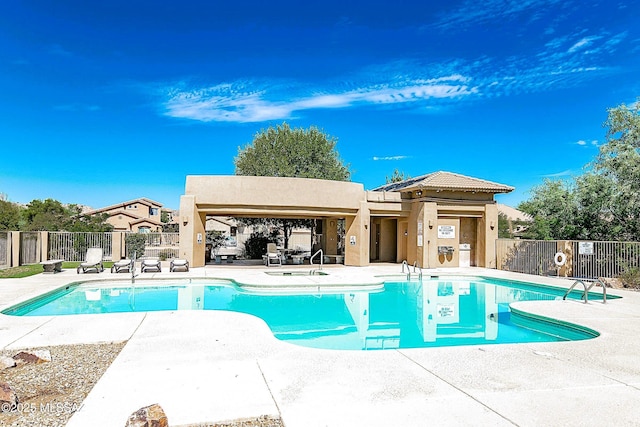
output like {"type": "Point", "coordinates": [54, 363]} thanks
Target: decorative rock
{"type": "Point", "coordinates": [8, 398]}
{"type": "Point", "coordinates": [7, 362]}
{"type": "Point", "coordinates": [37, 356]}
{"type": "Point", "coordinates": [149, 416]}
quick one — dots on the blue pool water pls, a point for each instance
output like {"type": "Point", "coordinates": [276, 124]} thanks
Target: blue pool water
{"type": "Point", "coordinates": [431, 313]}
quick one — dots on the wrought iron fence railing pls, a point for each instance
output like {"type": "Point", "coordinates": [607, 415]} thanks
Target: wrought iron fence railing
{"type": "Point", "coordinates": [589, 259]}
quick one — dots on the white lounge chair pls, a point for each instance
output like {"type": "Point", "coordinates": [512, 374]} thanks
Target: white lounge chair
{"type": "Point", "coordinates": [273, 255]}
{"type": "Point", "coordinates": [93, 261]}
{"type": "Point", "coordinates": [179, 263]}
{"type": "Point", "coordinates": [124, 266]}
{"type": "Point", "coordinates": [150, 264]}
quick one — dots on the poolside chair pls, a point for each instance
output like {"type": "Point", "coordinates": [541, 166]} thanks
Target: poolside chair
{"type": "Point", "coordinates": [150, 264]}
{"type": "Point", "coordinates": [273, 256]}
{"type": "Point", "coordinates": [93, 261]}
{"type": "Point", "coordinates": [180, 264]}
{"type": "Point", "coordinates": [122, 266]}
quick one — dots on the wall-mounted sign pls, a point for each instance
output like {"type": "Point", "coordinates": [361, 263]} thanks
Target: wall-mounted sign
{"type": "Point", "coordinates": [446, 232]}
{"type": "Point", "coordinates": [199, 237]}
{"type": "Point", "coordinates": [585, 248]}
{"type": "Point", "coordinates": [352, 240]}
{"type": "Point", "coordinates": [419, 227]}
{"type": "Point", "coordinates": [419, 240]}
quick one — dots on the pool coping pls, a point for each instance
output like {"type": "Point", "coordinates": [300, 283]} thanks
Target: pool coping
{"type": "Point", "coordinates": [498, 384]}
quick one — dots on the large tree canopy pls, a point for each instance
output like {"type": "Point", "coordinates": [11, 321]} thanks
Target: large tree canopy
{"type": "Point", "coordinates": [49, 215]}
{"type": "Point", "coordinates": [603, 203]}
{"type": "Point", "coordinates": [297, 152]}
{"type": "Point", "coordinates": [287, 152]}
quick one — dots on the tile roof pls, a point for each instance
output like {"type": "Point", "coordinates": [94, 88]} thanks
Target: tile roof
{"type": "Point", "coordinates": [446, 181]}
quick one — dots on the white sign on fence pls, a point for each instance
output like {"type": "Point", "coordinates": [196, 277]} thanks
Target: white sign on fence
{"type": "Point", "coordinates": [585, 248]}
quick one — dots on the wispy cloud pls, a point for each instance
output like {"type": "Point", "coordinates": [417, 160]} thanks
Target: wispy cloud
{"type": "Point", "coordinates": [238, 102]}
{"type": "Point", "coordinates": [376, 158]}
{"type": "Point", "coordinates": [583, 143]}
{"type": "Point", "coordinates": [564, 60]}
{"type": "Point", "coordinates": [567, 172]}
{"type": "Point", "coordinates": [478, 13]}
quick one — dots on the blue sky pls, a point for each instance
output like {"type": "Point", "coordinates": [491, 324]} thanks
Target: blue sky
{"type": "Point", "coordinates": [103, 102]}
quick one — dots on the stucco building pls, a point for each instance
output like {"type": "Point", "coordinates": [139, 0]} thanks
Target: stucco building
{"type": "Point", "coordinates": [138, 215]}
{"type": "Point", "coordinates": [441, 219]}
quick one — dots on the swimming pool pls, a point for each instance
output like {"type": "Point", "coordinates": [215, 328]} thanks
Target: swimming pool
{"type": "Point", "coordinates": [436, 312]}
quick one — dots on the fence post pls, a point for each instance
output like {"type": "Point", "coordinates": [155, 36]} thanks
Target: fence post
{"type": "Point", "coordinates": [15, 249]}
{"type": "Point", "coordinates": [116, 246]}
{"type": "Point", "coordinates": [44, 246]}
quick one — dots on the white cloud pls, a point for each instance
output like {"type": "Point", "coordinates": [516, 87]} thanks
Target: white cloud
{"type": "Point", "coordinates": [233, 102]}
{"type": "Point", "coordinates": [582, 142]}
{"type": "Point", "coordinates": [376, 158]}
{"type": "Point", "coordinates": [567, 172]}
{"type": "Point", "coordinates": [583, 43]}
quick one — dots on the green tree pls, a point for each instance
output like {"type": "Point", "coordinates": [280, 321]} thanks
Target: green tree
{"type": "Point", "coordinates": [297, 152]}
{"type": "Point", "coordinates": [604, 202]}
{"type": "Point", "coordinates": [290, 152]}
{"type": "Point", "coordinates": [619, 161]}
{"type": "Point", "coordinates": [9, 216]}
{"type": "Point", "coordinates": [45, 215]}
{"type": "Point", "coordinates": [553, 209]}
{"type": "Point", "coordinates": [51, 215]}
{"type": "Point", "coordinates": [397, 176]}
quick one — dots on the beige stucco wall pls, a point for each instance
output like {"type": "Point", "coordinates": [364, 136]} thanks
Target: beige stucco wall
{"type": "Point", "coordinates": [394, 213]}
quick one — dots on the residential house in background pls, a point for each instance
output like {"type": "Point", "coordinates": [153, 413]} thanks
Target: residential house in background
{"type": "Point", "coordinates": [139, 215]}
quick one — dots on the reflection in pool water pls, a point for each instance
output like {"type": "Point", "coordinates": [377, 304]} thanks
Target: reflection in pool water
{"type": "Point", "coordinates": [436, 312]}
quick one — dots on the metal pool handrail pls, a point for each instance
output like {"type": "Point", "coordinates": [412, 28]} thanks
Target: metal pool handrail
{"type": "Point", "coordinates": [321, 258]}
{"type": "Point", "coordinates": [585, 296]}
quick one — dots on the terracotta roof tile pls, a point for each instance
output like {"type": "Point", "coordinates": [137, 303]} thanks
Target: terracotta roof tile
{"type": "Point", "coordinates": [446, 181]}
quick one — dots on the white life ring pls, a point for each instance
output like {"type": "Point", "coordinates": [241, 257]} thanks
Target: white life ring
{"type": "Point", "coordinates": [559, 259]}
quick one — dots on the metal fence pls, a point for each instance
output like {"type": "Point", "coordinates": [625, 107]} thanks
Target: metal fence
{"type": "Point", "coordinates": [162, 245]}
{"type": "Point", "coordinates": [73, 246]}
{"type": "Point", "coordinates": [588, 259]}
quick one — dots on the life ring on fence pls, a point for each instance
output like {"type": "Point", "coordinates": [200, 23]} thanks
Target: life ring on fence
{"type": "Point", "coordinates": [559, 259]}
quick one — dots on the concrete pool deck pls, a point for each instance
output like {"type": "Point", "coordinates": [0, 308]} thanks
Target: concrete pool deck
{"type": "Point", "coordinates": [207, 366]}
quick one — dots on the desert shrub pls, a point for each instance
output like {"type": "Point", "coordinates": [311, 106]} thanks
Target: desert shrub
{"type": "Point", "coordinates": [630, 278]}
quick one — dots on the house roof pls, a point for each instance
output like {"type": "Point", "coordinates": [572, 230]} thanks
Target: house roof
{"type": "Point", "coordinates": [513, 213]}
{"type": "Point", "coordinates": [141, 200]}
{"type": "Point", "coordinates": [446, 181]}
{"type": "Point", "coordinates": [147, 220]}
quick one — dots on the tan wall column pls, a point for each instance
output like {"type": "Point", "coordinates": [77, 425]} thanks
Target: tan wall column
{"type": "Point", "coordinates": [192, 232]}
{"type": "Point", "coordinates": [15, 248]}
{"type": "Point", "coordinates": [116, 246]}
{"type": "Point", "coordinates": [422, 234]}
{"type": "Point", "coordinates": [44, 246]}
{"type": "Point", "coordinates": [490, 235]}
{"type": "Point", "coordinates": [357, 237]}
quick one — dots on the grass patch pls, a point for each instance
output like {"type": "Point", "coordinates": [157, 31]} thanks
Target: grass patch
{"type": "Point", "coordinates": [33, 269]}
{"type": "Point", "coordinates": [22, 271]}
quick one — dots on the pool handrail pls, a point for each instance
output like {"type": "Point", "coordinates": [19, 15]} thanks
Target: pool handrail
{"type": "Point", "coordinates": [585, 296]}
{"type": "Point", "coordinates": [319, 251]}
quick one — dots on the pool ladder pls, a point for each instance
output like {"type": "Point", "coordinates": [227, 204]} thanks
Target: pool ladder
{"type": "Point", "coordinates": [415, 266]}
{"type": "Point", "coordinates": [585, 296]}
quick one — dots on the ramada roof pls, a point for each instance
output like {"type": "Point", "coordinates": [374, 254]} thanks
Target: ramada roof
{"type": "Point", "coordinates": [446, 181]}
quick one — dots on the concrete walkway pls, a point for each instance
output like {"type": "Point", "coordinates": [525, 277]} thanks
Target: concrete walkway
{"type": "Point", "coordinates": [215, 366]}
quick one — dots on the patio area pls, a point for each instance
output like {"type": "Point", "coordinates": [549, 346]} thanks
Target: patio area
{"type": "Point", "coordinates": [208, 366]}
